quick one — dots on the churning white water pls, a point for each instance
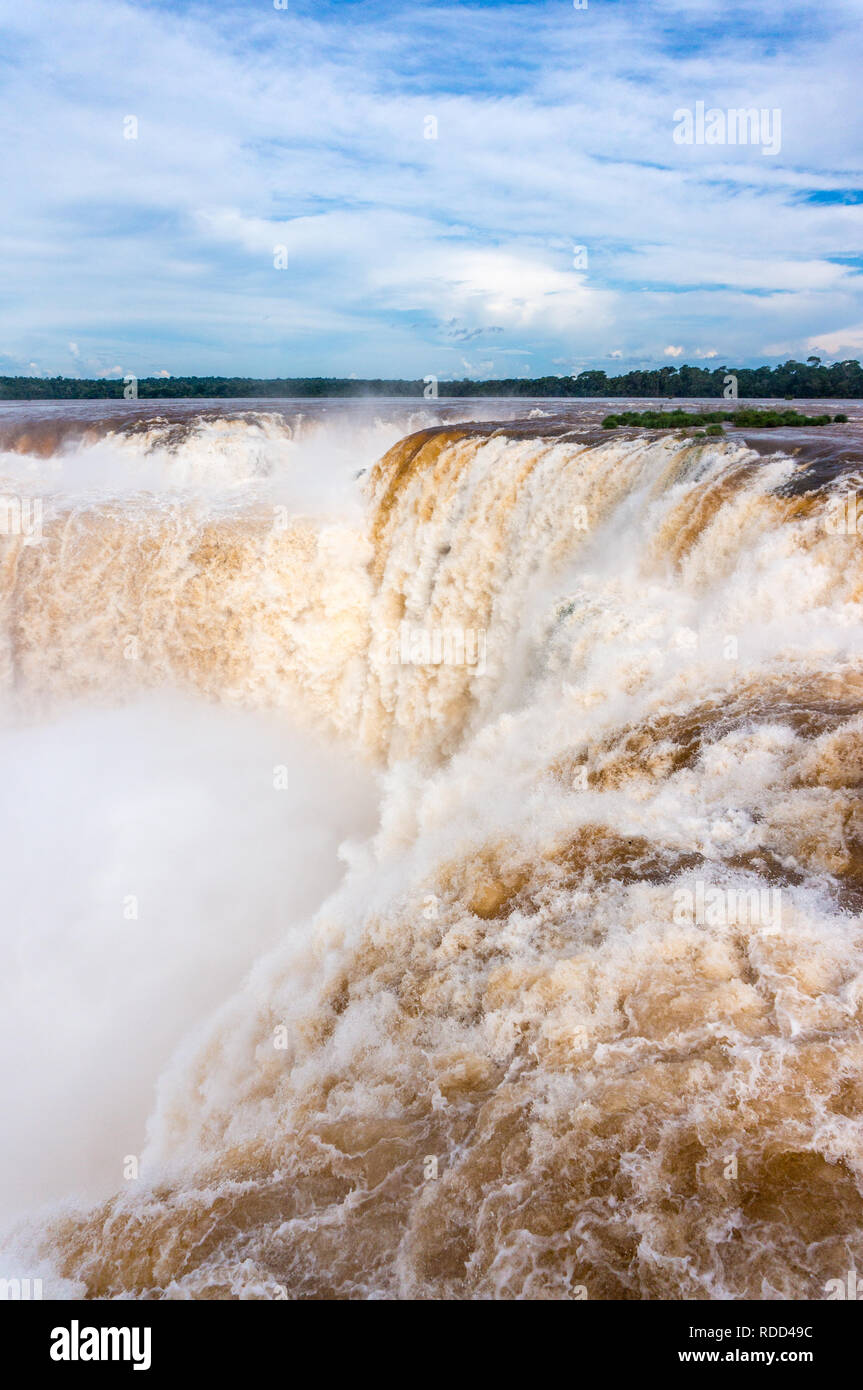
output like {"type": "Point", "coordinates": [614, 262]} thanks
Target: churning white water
{"type": "Point", "coordinates": [575, 1010]}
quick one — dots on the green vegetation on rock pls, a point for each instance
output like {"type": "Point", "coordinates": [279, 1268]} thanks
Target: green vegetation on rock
{"type": "Point", "coordinates": [742, 418]}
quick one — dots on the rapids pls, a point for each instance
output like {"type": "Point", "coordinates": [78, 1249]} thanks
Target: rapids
{"type": "Point", "coordinates": [469, 987]}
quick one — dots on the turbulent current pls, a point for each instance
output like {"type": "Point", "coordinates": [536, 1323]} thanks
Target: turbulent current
{"type": "Point", "coordinates": [433, 854]}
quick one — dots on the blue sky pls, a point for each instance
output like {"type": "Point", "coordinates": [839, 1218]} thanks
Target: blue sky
{"type": "Point", "coordinates": [430, 170]}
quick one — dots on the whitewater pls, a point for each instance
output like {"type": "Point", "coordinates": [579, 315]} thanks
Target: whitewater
{"type": "Point", "coordinates": [432, 853]}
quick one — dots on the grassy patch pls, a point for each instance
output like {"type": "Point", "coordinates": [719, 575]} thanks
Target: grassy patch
{"type": "Point", "coordinates": [714, 419]}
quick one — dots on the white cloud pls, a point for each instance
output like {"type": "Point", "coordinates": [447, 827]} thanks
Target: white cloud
{"type": "Point", "coordinates": [847, 342]}
{"type": "Point", "coordinates": [258, 129]}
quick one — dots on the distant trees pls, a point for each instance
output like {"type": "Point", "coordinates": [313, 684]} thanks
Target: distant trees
{"type": "Point", "coordinates": [200, 387]}
{"type": "Point", "coordinates": [791, 380]}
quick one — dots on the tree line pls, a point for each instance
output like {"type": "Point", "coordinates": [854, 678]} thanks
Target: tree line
{"type": "Point", "coordinates": [789, 381]}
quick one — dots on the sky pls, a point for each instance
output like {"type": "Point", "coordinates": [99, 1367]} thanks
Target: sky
{"type": "Point", "coordinates": [373, 188]}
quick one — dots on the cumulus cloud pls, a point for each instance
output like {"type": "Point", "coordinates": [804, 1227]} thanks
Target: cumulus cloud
{"type": "Point", "coordinates": [260, 128]}
{"type": "Point", "coordinates": [846, 342]}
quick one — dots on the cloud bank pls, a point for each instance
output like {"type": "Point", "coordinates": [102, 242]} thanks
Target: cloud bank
{"type": "Point", "coordinates": [366, 188]}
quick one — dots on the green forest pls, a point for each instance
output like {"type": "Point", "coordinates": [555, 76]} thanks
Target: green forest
{"type": "Point", "coordinates": [792, 380]}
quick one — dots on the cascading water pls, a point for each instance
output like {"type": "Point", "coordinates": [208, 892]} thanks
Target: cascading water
{"type": "Point", "coordinates": [583, 1015]}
